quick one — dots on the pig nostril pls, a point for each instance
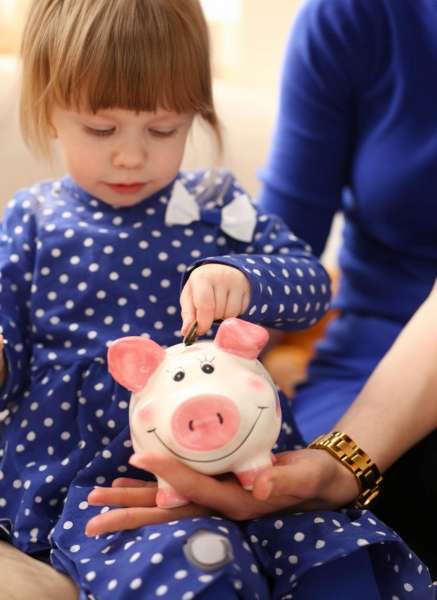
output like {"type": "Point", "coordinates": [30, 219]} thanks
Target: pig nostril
{"type": "Point", "coordinates": [191, 422]}
{"type": "Point", "coordinates": [205, 422]}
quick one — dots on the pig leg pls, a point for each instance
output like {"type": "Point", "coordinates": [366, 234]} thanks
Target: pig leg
{"type": "Point", "coordinates": [248, 471]}
{"type": "Point", "coordinates": [167, 496]}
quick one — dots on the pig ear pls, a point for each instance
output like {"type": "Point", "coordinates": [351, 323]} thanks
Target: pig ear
{"type": "Point", "coordinates": [241, 338]}
{"type": "Point", "coordinates": [132, 360]}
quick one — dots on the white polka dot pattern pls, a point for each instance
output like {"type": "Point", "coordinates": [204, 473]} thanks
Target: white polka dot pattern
{"type": "Point", "coordinates": [76, 274]}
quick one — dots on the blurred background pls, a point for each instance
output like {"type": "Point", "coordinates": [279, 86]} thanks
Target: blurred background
{"type": "Point", "coordinates": [247, 35]}
{"type": "Point", "coordinates": [247, 39]}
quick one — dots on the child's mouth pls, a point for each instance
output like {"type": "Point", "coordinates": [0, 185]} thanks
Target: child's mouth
{"type": "Point", "coordinates": [126, 188]}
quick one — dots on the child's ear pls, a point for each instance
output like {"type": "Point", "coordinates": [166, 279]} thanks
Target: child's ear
{"type": "Point", "coordinates": [52, 131]}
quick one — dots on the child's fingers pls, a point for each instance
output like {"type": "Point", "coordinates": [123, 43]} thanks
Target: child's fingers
{"type": "Point", "coordinates": [188, 311]}
{"type": "Point", "coordinates": [245, 302]}
{"type": "Point", "coordinates": [220, 298]}
{"type": "Point", "coordinates": [233, 303]}
{"type": "Point", "coordinates": [204, 303]}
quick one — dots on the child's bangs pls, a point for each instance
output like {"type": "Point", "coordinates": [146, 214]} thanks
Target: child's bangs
{"type": "Point", "coordinates": [138, 60]}
{"type": "Point", "coordinates": [134, 87]}
{"type": "Point", "coordinates": [139, 55]}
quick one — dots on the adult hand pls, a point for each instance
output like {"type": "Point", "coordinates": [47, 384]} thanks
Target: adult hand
{"type": "Point", "coordinates": [213, 292]}
{"type": "Point", "coordinates": [139, 507]}
{"type": "Point", "coordinates": [301, 480]}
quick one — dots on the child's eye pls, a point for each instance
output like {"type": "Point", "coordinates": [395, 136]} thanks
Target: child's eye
{"type": "Point", "coordinates": [100, 132]}
{"type": "Point", "coordinates": [159, 133]}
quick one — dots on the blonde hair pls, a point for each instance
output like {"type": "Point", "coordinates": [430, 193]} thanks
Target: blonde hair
{"type": "Point", "coordinates": [139, 55]}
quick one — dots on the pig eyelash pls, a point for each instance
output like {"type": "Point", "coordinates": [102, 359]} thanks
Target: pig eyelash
{"type": "Point", "coordinates": [204, 359]}
{"type": "Point", "coordinates": [206, 365]}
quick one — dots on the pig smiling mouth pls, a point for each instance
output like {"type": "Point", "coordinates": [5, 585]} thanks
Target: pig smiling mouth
{"type": "Point", "coordinates": [261, 408]}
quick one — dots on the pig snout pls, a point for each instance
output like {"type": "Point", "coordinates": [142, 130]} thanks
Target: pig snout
{"type": "Point", "coordinates": [205, 422]}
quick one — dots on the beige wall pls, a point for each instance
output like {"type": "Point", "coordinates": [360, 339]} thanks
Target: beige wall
{"type": "Point", "coordinates": [246, 52]}
{"type": "Point", "coordinates": [249, 52]}
{"type": "Point", "coordinates": [11, 18]}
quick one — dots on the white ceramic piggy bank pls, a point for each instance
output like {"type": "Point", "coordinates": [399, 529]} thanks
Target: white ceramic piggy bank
{"type": "Point", "coordinates": [211, 404]}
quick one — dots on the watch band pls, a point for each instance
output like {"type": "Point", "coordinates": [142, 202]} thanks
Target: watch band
{"type": "Point", "coordinates": [344, 449]}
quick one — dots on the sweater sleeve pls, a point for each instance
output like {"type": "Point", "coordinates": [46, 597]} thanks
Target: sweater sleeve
{"type": "Point", "coordinates": [333, 51]}
{"type": "Point", "coordinates": [17, 246]}
{"type": "Point", "coordinates": [290, 289]}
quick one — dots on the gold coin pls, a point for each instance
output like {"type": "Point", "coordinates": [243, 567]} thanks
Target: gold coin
{"type": "Point", "coordinates": [191, 336]}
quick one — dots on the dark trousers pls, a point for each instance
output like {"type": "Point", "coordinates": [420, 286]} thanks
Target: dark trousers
{"type": "Point", "coordinates": [408, 501]}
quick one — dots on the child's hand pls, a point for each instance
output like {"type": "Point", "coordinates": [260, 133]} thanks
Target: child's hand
{"type": "Point", "coordinates": [213, 292]}
{"type": "Point", "coordinates": [2, 361]}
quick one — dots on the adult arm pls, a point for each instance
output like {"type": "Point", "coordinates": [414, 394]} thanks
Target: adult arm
{"type": "Point", "coordinates": [333, 52]}
{"type": "Point", "coordinates": [398, 405]}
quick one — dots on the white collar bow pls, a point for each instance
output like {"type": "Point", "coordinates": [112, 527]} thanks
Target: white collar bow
{"type": "Point", "coordinates": [237, 219]}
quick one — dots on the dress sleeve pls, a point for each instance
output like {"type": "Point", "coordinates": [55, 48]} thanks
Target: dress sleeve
{"type": "Point", "coordinates": [17, 251]}
{"type": "Point", "coordinates": [333, 51]}
{"type": "Point", "coordinates": [290, 289]}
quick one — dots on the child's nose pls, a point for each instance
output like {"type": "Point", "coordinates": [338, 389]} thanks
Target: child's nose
{"type": "Point", "coordinates": [130, 157]}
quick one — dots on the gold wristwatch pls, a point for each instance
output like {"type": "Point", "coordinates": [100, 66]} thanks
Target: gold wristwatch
{"type": "Point", "coordinates": [344, 449]}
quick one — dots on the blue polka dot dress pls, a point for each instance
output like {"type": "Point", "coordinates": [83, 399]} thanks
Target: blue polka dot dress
{"type": "Point", "coordinates": [76, 274]}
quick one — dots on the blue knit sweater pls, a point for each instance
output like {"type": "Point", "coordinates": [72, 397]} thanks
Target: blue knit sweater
{"type": "Point", "coordinates": [357, 132]}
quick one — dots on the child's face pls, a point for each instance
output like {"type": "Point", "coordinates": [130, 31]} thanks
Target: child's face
{"type": "Point", "coordinates": [119, 156]}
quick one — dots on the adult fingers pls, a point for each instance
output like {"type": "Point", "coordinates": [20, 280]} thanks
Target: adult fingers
{"type": "Point", "coordinates": [226, 497]}
{"type": "Point", "coordinates": [306, 476]}
{"type": "Point", "coordinates": [132, 518]}
{"type": "Point", "coordinates": [268, 485]}
{"type": "Point", "coordinates": [123, 496]}
{"type": "Point", "coordinates": [129, 482]}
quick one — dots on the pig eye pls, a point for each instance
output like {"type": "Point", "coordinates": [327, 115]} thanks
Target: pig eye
{"type": "Point", "coordinates": [179, 376]}
{"type": "Point", "coordinates": [207, 368]}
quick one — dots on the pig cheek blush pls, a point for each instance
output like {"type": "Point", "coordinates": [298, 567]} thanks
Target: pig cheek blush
{"type": "Point", "coordinates": [256, 384]}
{"type": "Point", "coordinates": [146, 415]}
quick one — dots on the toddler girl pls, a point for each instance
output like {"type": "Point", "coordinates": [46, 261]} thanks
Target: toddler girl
{"type": "Point", "coordinates": [102, 253]}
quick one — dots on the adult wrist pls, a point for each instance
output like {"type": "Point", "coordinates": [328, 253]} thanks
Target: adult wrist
{"type": "Point", "coordinates": [350, 455]}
